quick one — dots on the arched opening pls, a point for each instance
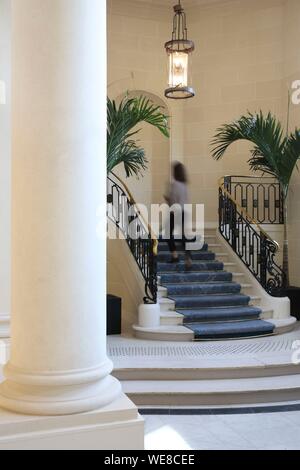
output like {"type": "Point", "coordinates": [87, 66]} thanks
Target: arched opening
{"type": "Point", "coordinates": [149, 188]}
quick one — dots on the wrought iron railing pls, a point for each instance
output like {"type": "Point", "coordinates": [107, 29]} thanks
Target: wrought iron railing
{"type": "Point", "coordinates": [261, 197]}
{"type": "Point", "coordinates": [123, 211]}
{"type": "Point", "coordinates": [250, 242]}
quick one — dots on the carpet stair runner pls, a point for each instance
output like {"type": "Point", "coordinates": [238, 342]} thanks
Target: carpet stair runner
{"type": "Point", "coordinates": [212, 304]}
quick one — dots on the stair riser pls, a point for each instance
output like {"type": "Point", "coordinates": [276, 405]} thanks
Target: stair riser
{"type": "Point", "coordinates": [206, 373]}
{"type": "Point", "coordinates": [214, 398]}
{"type": "Point", "coordinates": [222, 257]}
{"type": "Point", "coordinates": [169, 307]}
{"type": "Point", "coordinates": [162, 336]}
{"type": "Point", "coordinates": [161, 295]}
{"type": "Point", "coordinates": [164, 248]}
{"type": "Point", "coordinates": [255, 302]}
{"type": "Point", "coordinates": [171, 321]}
{"type": "Point", "coordinates": [239, 278]}
{"type": "Point", "coordinates": [267, 315]}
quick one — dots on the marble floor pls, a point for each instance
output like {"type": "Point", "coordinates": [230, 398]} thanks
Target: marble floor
{"type": "Point", "coordinates": [266, 431]}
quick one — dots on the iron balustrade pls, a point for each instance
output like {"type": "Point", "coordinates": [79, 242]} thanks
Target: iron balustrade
{"type": "Point", "coordinates": [123, 211]}
{"type": "Point", "coordinates": [250, 242]}
{"type": "Point", "coordinates": [261, 197]}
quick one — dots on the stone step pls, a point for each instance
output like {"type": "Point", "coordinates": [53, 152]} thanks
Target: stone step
{"type": "Point", "coordinates": [162, 292]}
{"type": "Point", "coordinates": [171, 318]}
{"type": "Point", "coordinates": [199, 368]}
{"type": "Point", "coordinates": [214, 246]}
{"type": "Point", "coordinates": [166, 304]}
{"type": "Point", "coordinates": [255, 300]}
{"type": "Point", "coordinates": [213, 392]}
{"type": "Point", "coordinates": [220, 314]}
{"type": "Point", "coordinates": [231, 330]}
{"type": "Point", "coordinates": [213, 300]}
{"type": "Point", "coordinates": [164, 333]}
{"type": "Point", "coordinates": [196, 256]}
{"type": "Point", "coordinates": [222, 256]}
{"type": "Point", "coordinates": [188, 277]}
{"type": "Point", "coordinates": [197, 266]}
{"type": "Point", "coordinates": [229, 265]}
{"type": "Point", "coordinates": [193, 289]}
{"type": "Point", "coordinates": [247, 288]}
{"type": "Point", "coordinates": [179, 333]}
{"type": "Point", "coordinates": [164, 247]}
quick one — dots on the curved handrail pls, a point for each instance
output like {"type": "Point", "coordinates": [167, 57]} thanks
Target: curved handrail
{"type": "Point", "coordinates": [250, 177]}
{"type": "Point", "coordinates": [251, 243]}
{"type": "Point", "coordinates": [139, 236]}
{"type": "Point", "coordinates": [133, 201]}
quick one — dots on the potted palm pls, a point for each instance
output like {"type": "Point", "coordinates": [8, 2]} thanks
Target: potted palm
{"type": "Point", "coordinates": [275, 153]}
{"type": "Point", "coordinates": [122, 122]}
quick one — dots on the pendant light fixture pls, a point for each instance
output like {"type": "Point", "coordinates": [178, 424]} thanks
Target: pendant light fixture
{"type": "Point", "coordinates": [179, 51]}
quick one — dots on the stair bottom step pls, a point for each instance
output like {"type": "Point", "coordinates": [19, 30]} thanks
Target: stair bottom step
{"type": "Point", "coordinates": [231, 330]}
{"type": "Point", "coordinates": [213, 392]}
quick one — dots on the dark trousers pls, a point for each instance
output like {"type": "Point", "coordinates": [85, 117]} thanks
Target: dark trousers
{"type": "Point", "coordinates": [182, 240]}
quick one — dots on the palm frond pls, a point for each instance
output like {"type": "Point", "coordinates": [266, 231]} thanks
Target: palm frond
{"type": "Point", "coordinates": [291, 156]}
{"type": "Point", "coordinates": [273, 153]}
{"type": "Point", "coordinates": [122, 122]}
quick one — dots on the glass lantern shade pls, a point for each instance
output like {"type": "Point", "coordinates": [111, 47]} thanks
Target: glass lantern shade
{"type": "Point", "coordinates": [179, 76]}
{"type": "Point", "coordinates": [178, 69]}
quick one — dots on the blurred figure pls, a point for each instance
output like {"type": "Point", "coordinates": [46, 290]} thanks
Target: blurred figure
{"type": "Point", "coordinates": [178, 194]}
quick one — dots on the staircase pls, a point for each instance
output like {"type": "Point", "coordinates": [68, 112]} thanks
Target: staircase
{"type": "Point", "coordinates": [209, 302]}
{"type": "Point", "coordinates": [230, 291]}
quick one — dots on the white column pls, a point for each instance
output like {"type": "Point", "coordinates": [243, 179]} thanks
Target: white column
{"type": "Point", "coordinates": [5, 160]}
{"type": "Point", "coordinates": [58, 360]}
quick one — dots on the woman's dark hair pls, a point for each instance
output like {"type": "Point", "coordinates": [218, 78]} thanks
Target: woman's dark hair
{"type": "Point", "coordinates": [179, 172]}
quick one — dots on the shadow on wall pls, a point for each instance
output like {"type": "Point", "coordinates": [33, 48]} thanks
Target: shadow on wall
{"type": "Point", "coordinates": [124, 280]}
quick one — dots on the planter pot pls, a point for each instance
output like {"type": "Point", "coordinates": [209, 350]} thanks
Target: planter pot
{"type": "Point", "coordinates": [113, 315]}
{"type": "Point", "coordinates": [293, 293]}
{"type": "Point", "coordinates": [149, 315]}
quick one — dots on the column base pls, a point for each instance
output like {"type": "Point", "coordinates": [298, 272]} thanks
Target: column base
{"type": "Point", "coordinates": [4, 325]}
{"type": "Point", "coordinates": [53, 399]}
{"type": "Point", "coordinates": [117, 426]}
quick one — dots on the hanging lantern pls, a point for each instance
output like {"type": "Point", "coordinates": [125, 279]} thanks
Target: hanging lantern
{"type": "Point", "coordinates": [179, 51]}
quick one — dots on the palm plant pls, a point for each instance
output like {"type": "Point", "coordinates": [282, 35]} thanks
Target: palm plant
{"type": "Point", "coordinates": [275, 153]}
{"type": "Point", "coordinates": [122, 120]}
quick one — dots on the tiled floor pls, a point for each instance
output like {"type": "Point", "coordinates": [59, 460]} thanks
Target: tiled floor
{"type": "Point", "coordinates": [126, 351]}
{"type": "Point", "coordinates": [224, 432]}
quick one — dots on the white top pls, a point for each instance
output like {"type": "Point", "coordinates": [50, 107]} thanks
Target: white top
{"type": "Point", "coordinates": [178, 193]}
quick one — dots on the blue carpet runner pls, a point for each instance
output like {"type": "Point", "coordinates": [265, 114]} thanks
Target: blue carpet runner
{"type": "Point", "coordinates": [212, 304]}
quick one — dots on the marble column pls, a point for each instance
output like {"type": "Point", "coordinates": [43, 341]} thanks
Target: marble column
{"type": "Point", "coordinates": [5, 161]}
{"type": "Point", "coordinates": [58, 361]}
